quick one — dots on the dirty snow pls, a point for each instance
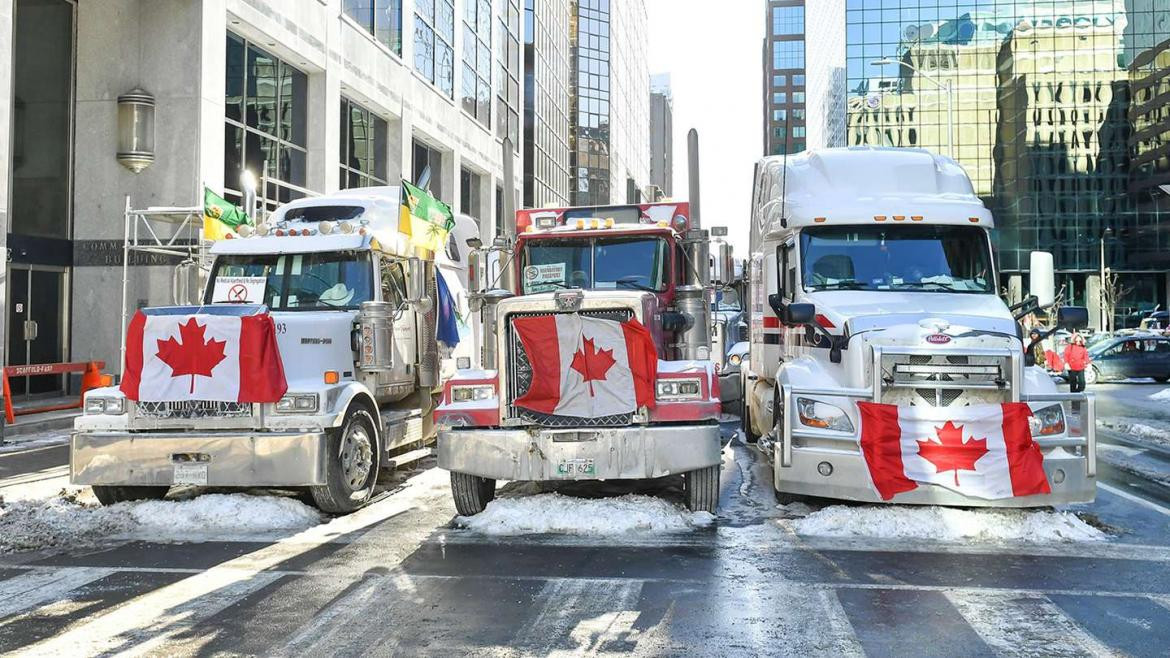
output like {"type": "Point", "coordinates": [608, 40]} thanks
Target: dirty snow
{"type": "Point", "coordinates": [946, 524]}
{"type": "Point", "coordinates": [1137, 430]}
{"type": "Point", "coordinates": [72, 518]}
{"type": "Point", "coordinates": [1163, 394]}
{"type": "Point", "coordinates": [556, 513]}
{"type": "Point", "coordinates": [27, 441]}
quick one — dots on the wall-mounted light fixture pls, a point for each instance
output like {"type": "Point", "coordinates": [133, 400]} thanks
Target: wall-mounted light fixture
{"type": "Point", "coordinates": [136, 129]}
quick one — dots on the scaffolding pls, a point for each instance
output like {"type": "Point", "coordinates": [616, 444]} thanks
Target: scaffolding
{"type": "Point", "coordinates": [164, 231]}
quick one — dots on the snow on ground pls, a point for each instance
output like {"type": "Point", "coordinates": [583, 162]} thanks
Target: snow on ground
{"type": "Point", "coordinates": [555, 513]}
{"type": "Point", "coordinates": [1135, 461]}
{"type": "Point", "coordinates": [1137, 429]}
{"type": "Point", "coordinates": [1163, 394]}
{"type": "Point", "coordinates": [946, 524]}
{"type": "Point", "coordinates": [74, 518]}
{"type": "Point", "coordinates": [39, 440]}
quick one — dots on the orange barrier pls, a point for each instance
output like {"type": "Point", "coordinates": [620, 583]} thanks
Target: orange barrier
{"type": "Point", "coordinates": [91, 377]}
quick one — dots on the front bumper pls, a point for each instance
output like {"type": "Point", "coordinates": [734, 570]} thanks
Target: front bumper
{"type": "Point", "coordinates": [232, 459]}
{"type": "Point", "coordinates": [730, 385]}
{"type": "Point", "coordinates": [615, 453]}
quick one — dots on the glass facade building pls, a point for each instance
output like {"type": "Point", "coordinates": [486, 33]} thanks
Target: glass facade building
{"type": "Point", "coordinates": [785, 128]}
{"type": "Point", "coordinates": [546, 103]}
{"type": "Point", "coordinates": [1056, 109]}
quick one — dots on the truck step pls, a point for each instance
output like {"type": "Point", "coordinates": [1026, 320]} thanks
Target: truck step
{"type": "Point", "coordinates": [409, 457]}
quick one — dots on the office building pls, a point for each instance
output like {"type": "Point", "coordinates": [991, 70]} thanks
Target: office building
{"type": "Point", "coordinates": [609, 139]}
{"type": "Point", "coordinates": [310, 95]}
{"type": "Point", "coordinates": [661, 137]}
{"type": "Point", "coordinates": [1054, 109]}
{"type": "Point", "coordinates": [546, 102]}
{"type": "Point", "coordinates": [785, 114]}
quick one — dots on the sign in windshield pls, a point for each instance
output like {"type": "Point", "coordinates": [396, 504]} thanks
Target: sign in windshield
{"type": "Point", "coordinates": [292, 282]}
{"type": "Point", "coordinates": [901, 258]}
{"type": "Point", "coordinates": [634, 263]}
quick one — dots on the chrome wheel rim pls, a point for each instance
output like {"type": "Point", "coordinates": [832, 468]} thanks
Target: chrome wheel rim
{"type": "Point", "coordinates": [357, 455]}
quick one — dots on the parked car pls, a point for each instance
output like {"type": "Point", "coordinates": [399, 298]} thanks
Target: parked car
{"type": "Point", "coordinates": [1135, 355]}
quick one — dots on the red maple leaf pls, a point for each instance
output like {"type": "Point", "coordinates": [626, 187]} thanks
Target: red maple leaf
{"type": "Point", "coordinates": [193, 356]}
{"type": "Point", "coordinates": [592, 363]}
{"type": "Point", "coordinates": [950, 453]}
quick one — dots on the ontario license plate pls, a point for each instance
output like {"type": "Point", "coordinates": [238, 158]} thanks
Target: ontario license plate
{"type": "Point", "coordinates": [575, 467]}
{"type": "Point", "coordinates": [191, 474]}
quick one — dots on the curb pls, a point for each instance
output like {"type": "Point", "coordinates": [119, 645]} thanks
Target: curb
{"type": "Point", "coordinates": [37, 425]}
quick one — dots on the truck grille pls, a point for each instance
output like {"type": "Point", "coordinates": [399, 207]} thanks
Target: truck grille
{"type": "Point", "coordinates": [944, 380]}
{"type": "Point", "coordinates": [193, 409]}
{"type": "Point", "coordinates": [519, 378]}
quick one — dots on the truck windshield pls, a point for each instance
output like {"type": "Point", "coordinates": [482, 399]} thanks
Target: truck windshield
{"type": "Point", "coordinates": [292, 282]}
{"type": "Point", "coordinates": [637, 263]}
{"type": "Point", "coordinates": [902, 258]}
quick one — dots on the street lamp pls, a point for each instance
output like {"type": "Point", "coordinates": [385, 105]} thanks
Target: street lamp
{"type": "Point", "coordinates": [945, 87]}
{"type": "Point", "coordinates": [1101, 296]}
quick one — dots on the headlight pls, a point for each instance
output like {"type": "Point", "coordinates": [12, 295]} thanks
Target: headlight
{"type": "Point", "coordinates": [678, 389]}
{"type": "Point", "coordinates": [472, 393]}
{"type": "Point", "coordinates": [298, 404]}
{"type": "Point", "coordinates": [1047, 421]}
{"type": "Point", "coordinates": [734, 359]}
{"type": "Point", "coordinates": [102, 405]}
{"type": "Point", "coordinates": [822, 416]}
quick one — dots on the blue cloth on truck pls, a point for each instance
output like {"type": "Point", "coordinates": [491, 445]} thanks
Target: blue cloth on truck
{"type": "Point", "coordinates": [448, 329]}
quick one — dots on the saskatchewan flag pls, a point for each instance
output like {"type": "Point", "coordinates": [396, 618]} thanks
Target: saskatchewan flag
{"type": "Point", "coordinates": [425, 219]}
{"type": "Point", "coordinates": [220, 216]}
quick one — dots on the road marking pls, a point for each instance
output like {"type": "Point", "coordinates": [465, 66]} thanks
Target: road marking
{"type": "Point", "coordinates": [1024, 626]}
{"type": "Point", "coordinates": [36, 588]}
{"type": "Point", "coordinates": [1135, 499]}
{"type": "Point", "coordinates": [587, 610]}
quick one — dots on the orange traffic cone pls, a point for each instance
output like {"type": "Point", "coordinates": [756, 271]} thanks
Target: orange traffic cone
{"type": "Point", "coordinates": [91, 378]}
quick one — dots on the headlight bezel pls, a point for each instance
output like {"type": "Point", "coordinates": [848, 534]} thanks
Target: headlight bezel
{"type": "Point", "coordinates": [823, 416]}
{"type": "Point", "coordinates": [678, 389]}
{"type": "Point", "coordinates": [1048, 421]}
{"type": "Point", "coordinates": [103, 405]}
{"type": "Point", "coordinates": [735, 359]}
{"type": "Point", "coordinates": [472, 393]}
{"type": "Point", "coordinates": [298, 403]}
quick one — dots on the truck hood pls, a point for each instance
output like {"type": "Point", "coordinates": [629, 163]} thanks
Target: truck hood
{"type": "Point", "coordinates": [312, 342]}
{"type": "Point", "coordinates": [860, 311]}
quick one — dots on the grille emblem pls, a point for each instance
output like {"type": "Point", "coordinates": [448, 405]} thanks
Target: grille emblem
{"type": "Point", "coordinates": [938, 339]}
{"type": "Point", "coordinates": [568, 301]}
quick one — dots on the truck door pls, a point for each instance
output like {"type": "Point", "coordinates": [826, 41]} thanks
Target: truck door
{"type": "Point", "coordinates": [394, 291]}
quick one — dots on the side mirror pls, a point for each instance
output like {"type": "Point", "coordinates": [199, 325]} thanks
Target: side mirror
{"type": "Point", "coordinates": [1072, 317]}
{"type": "Point", "coordinates": [1042, 278]}
{"type": "Point", "coordinates": [792, 314]}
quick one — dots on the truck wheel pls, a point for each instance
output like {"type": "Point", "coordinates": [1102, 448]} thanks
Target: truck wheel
{"type": "Point", "coordinates": [702, 489]}
{"type": "Point", "coordinates": [745, 421]}
{"type": "Point", "coordinates": [108, 495]}
{"type": "Point", "coordinates": [351, 468]}
{"type": "Point", "coordinates": [471, 493]}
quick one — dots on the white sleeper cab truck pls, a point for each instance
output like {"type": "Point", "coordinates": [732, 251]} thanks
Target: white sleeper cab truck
{"type": "Point", "coordinates": [596, 360]}
{"type": "Point", "coordinates": [883, 364]}
{"type": "Point", "coordinates": [310, 364]}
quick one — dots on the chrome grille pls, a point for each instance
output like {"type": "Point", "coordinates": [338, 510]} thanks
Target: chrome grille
{"type": "Point", "coordinates": [944, 380]}
{"type": "Point", "coordinates": [520, 377]}
{"type": "Point", "coordinates": [193, 409]}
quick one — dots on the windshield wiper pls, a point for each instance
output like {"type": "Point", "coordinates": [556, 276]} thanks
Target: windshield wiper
{"type": "Point", "coordinates": [841, 285]}
{"type": "Point", "coordinates": [923, 284]}
{"type": "Point", "coordinates": [629, 281]}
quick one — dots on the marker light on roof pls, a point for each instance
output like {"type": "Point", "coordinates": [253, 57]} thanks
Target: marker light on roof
{"type": "Point", "coordinates": [263, 228]}
{"type": "Point", "coordinates": [609, 222]}
{"type": "Point", "coordinates": [244, 230]}
{"type": "Point", "coordinates": [593, 223]}
{"type": "Point", "coordinates": [279, 233]}
{"type": "Point", "coordinates": [346, 227]}
{"type": "Point", "coordinates": [580, 223]}
{"type": "Point", "coordinates": [325, 227]}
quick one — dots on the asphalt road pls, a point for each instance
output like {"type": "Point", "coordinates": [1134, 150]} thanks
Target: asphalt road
{"type": "Point", "coordinates": [399, 578]}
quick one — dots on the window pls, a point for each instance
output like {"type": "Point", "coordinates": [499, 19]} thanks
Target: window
{"type": "Point", "coordinates": [798, 115]}
{"type": "Point", "coordinates": [429, 160]}
{"type": "Point", "coordinates": [798, 131]}
{"type": "Point", "coordinates": [469, 183]}
{"type": "Point", "coordinates": [434, 34]}
{"type": "Point", "coordinates": [788, 54]}
{"type": "Point", "coordinates": [508, 74]}
{"type": "Point", "coordinates": [296, 282]}
{"type": "Point", "coordinates": [779, 80]}
{"type": "Point", "coordinates": [798, 97]}
{"type": "Point", "coordinates": [381, 18]}
{"type": "Point", "coordinates": [626, 263]}
{"type": "Point", "coordinates": [780, 115]}
{"type": "Point", "coordinates": [779, 98]}
{"type": "Point", "coordinates": [798, 80]}
{"type": "Point", "coordinates": [477, 60]}
{"type": "Point", "coordinates": [363, 146]}
{"type": "Point", "coordinates": [265, 124]}
{"type": "Point", "coordinates": [787, 21]}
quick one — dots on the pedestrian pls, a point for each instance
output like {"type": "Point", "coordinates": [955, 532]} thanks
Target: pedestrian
{"type": "Point", "coordinates": [1076, 357]}
{"type": "Point", "coordinates": [1034, 348]}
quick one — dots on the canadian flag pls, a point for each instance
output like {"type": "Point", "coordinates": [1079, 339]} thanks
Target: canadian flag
{"type": "Point", "coordinates": [225, 358]}
{"type": "Point", "coordinates": [587, 367]}
{"type": "Point", "coordinates": [983, 451]}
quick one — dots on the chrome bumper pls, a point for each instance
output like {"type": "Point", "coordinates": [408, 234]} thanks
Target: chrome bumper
{"type": "Point", "coordinates": [233, 459]}
{"type": "Point", "coordinates": [615, 453]}
{"type": "Point", "coordinates": [1070, 462]}
{"type": "Point", "coordinates": [730, 386]}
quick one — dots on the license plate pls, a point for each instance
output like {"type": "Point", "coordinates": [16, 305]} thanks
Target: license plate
{"type": "Point", "coordinates": [190, 473]}
{"type": "Point", "coordinates": [575, 467]}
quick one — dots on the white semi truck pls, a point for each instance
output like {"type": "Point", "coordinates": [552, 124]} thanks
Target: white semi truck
{"type": "Point", "coordinates": [872, 279]}
{"type": "Point", "coordinates": [353, 307]}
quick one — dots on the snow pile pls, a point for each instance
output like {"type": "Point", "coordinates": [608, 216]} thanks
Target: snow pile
{"type": "Point", "coordinates": [1137, 430]}
{"type": "Point", "coordinates": [29, 441]}
{"type": "Point", "coordinates": [1163, 394]}
{"type": "Point", "coordinates": [946, 524]}
{"type": "Point", "coordinates": [67, 519]}
{"type": "Point", "coordinates": [554, 513]}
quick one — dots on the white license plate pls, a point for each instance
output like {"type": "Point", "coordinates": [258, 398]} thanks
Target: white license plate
{"type": "Point", "coordinates": [190, 473]}
{"type": "Point", "coordinates": [576, 467]}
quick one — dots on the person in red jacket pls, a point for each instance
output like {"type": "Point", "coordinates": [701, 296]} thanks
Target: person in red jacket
{"type": "Point", "coordinates": [1077, 359]}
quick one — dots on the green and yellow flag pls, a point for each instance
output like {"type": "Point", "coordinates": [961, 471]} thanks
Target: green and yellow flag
{"type": "Point", "coordinates": [425, 219]}
{"type": "Point", "coordinates": [220, 216]}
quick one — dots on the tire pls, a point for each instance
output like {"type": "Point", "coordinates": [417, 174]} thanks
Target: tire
{"type": "Point", "coordinates": [351, 467]}
{"type": "Point", "coordinates": [471, 493]}
{"type": "Point", "coordinates": [702, 489]}
{"type": "Point", "coordinates": [1092, 376]}
{"type": "Point", "coordinates": [745, 421]}
{"type": "Point", "coordinates": [108, 495]}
